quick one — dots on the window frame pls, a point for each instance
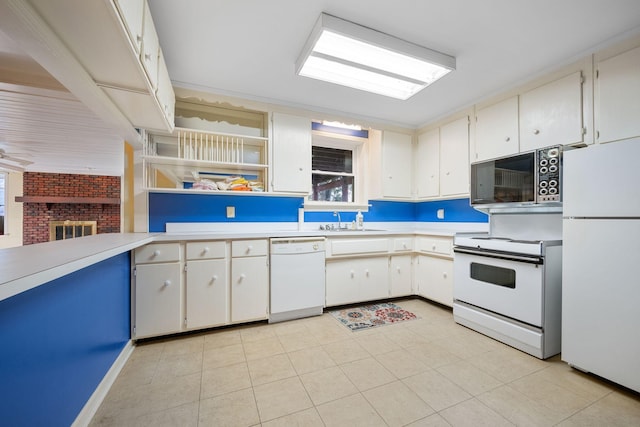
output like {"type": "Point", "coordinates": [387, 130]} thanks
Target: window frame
{"type": "Point", "coordinates": [358, 147]}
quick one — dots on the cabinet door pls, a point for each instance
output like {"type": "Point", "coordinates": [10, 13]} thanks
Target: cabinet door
{"type": "Point", "coordinates": [150, 49]}
{"type": "Point", "coordinates": [341, 281]}
{"type": "Point", "coordinates": [157, 299]}
{"type": "Point", "coordinates": [374, 278]}
{"type": "Point", "coordinates": [435, 279]}
{"type": "Point", "coordinates": [427, 170]}
{"type": "Point", "coordinates": [207, 287]}
{"type": "Point", "coordinates": [396, 165]}
{"type": "Point", "coordinates": [131, 12]}
{"type": "Point", "coordinates": [454, 158]}
{"type": "Point", "coordinates": [617, 97]}
{"type": "Point", "coordinates": [552, 114]}
{"type": "Point", "coordinates": [291, 169]}
{"type": "Point", "coordinates": [165, 95]}
{"type": "Point", "coordinates": [400, 272]}
{"type": "Point", "coordinates": [497, 130]}
{"type": "Point", "coordinates": [249, 288]}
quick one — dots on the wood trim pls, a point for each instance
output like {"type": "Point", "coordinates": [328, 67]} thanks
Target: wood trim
{"type": "Point", "coordinates": [76, 200]}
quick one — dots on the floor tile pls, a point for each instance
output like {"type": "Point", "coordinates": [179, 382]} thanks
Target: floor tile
{"type": "Point", "coordinates": [345, 351]}
{"type": "Point", "coordinates": [256, 332]}
{"type": "Point", "coordinates": [183, 345]}
{"type": "Point", "coordinates": [223, 356]}
{"type": "Point", "coordinates": [184, 416]}
{"type": "Point", "coordinates": [297, 341]}
{"type": "Point", "coordinates": [518, 408]}
{"type": "Point", "coordinates": [281, 398]}
{"type": "Point", "coordinates": [310, 359]}
{"type": "Point", "coordinates": [327, 385]}
{"type": "Point", "coordinates": [401, 363]}
{"type": "Point", "coordinates": [269, 369]}
{"type": "Point", "coordinates": [468, 377]}
{"type": "Point", "coordinates": [350, 411]}
{"type": "Point", "coordinates": [434, 420]}
{"type": "Point", "coordinates": [433, 355]}
{"type": "Point", "coordinates": [225, 379]}
{"type": "Point", "coordinates": [222, 338]}
{"type": "Point", "coordinates": [507, 364]}
{"type": "Point", "coordinates": [436, 390]}
{"type": "Point", "coordinates": [473, 413]}
{"type": "Point", "coordinates": [615, 409]}
{"type": "Point", "coordinates": [262, 348]}
{"type": "Point", "coordinates": [290, 327]}
{"type": "Point", "coordinates": [397, 404]}
{"type": "Point", "coordinates": [178, 365]}
{"type": "Point", "coordinates": [584, 385]}
{"type": "Point", "coordinates": [402, 336]}
{"type": "Point", "coordinates": [231, 409]}
{"type": "Point", "coordinates": [367, 373]}
{"type": "Point", "coordinates": [377, 343]}
{"type": "Point", "coordinates": [307, 418]}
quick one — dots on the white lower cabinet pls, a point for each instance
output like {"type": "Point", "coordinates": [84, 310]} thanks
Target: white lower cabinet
{"type": "Point", "coordinates": [356, 279]}
{"type": "Point", "coordinates": [434, 279]}
{"type": "Point", "coordinates": [400, 272]}
{"type": "Point", "coordinates": [158, 290]}
{"type": "Point", "coordinates": [249, 281]}
{"type": "Point", "coordinates": [207, 293]}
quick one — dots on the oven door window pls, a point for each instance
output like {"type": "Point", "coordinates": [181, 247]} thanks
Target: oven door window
{"type": "Point", "coordinates": [499, 276]}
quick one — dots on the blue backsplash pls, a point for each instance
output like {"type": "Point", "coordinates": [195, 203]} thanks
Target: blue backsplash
{"type": "Point", "coordinates": [170, 207]}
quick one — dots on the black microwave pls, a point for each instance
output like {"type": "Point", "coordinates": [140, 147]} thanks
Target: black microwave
{"type": "Point", "coordinates": [519, 180]}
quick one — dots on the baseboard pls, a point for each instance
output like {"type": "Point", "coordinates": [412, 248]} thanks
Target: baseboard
{"type": "Point", "coordinates": [91, 407]}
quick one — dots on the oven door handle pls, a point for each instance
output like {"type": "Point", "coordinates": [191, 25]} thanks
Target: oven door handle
{"type": "Point", "coordinates": [529, 259]}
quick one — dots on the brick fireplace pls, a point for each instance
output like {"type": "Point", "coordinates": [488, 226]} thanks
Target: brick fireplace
{"type": "Point", "coordinates": [51, 197]}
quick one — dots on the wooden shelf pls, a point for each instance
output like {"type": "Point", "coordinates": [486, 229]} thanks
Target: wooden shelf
{"type": "Point", "coordinates": [74, 200]}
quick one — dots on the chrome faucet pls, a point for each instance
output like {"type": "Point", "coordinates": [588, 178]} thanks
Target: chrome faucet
{"type": "Point", "coordinates": [336, 213]}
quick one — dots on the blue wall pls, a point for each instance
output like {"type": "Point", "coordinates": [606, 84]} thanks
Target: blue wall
{"type": "Point", "coordinates": [171, 207]}
{"type": "Point", "coordinates": [59, 340]}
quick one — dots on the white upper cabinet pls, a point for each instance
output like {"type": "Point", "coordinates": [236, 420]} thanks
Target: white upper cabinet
{"type": "Point", "coordinates": [428, 164]}
{"type": "Point", "coordinates": [150, 49]}
{"type": "Point", "coordinates": [397, 158]}
{"type": "Point", "coordinates": [291, 154]}
{"type": "Point", "coordinates": [552, 114]}
{"type": "Point", "coordinates": [454, 158]}
{"type": "Point", "coordinates": [132, 13]}
{"type": "Point", "coordinates": [497, 130]}
{"type": "Point", "coordinates": [617, 97]}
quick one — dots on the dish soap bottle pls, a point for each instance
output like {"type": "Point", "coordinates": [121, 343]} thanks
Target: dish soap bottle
{"type": "Point", "coordinates": [359, 221]}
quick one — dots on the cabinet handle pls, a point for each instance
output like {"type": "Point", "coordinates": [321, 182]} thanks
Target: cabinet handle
{"type": "Point", "coordinates": [138, 38]}
{"type": "Point", "coordinates": [398, 268]}
{"type": "Point", "coordinates": [242, 277]}
{"type": "Point", "coordinates": [167, 283]}
{"type": "Point", "coordinates": [536, 131]}
{"type": "Point", "coordinates": [366, 273]}
{"type": "Point", "coordinates": [353, 274]}
{"type": "Point", "coordinates": [214, 278]}
{"type": "Point", "coordinates": [507, 139]}
{"type": "Point", "coordinates": [147, 57]}
{"type": "Point", "coordinates": [444, 274]}
{"type": "Point", "coordinates": [156, 253]}
{"type": "Point", "coordinates": [433, 247]}
{"type": "Point", "coordinates": [205, 250]}
{"type": "Point", "coordinates": [447, 174]}
{"type": "Point", "coordinates": [249, 248]}
{"type": "Point", "coordinates": [300, 169]}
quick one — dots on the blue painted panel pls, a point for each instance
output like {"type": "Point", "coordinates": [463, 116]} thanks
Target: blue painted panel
{"type": "Point", "coordinates": [456, 210]}
{"type": "Point", "coordinates": [59, 340]}
{"type": "Point", "coordinates": [169, 207]}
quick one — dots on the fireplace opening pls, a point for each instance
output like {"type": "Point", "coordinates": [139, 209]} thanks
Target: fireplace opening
{"type": "Point", "coordinates": [62, 230]}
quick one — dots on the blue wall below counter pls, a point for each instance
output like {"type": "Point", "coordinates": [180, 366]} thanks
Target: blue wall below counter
{"type": "Point", "coordinates": [171, 207]}
{"type": "Point", "coordinates": [59, 340]}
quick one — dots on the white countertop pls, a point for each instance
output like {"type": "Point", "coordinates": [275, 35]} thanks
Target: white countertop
{"type": "Point", "coordinates": [26, 267]}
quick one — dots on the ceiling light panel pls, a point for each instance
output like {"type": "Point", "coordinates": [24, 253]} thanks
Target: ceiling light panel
{"type": "Point", "coordinates": [348, 54]}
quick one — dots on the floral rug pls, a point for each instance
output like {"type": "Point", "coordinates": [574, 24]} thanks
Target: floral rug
{"type": "Point", "coordinates": [371, 316]}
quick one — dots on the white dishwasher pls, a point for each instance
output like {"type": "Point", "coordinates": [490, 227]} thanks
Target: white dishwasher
{"type": "Point", "coordinates": [297, 278]}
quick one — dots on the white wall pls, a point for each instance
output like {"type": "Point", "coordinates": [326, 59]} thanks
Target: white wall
{"type": "Point", "coordinates": [13, 230]}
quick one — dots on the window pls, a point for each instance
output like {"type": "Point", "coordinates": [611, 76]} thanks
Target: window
{"type": "Point", "coordinates": [3, 202]}
{"type": "Point", "coordinates": [332, 177]}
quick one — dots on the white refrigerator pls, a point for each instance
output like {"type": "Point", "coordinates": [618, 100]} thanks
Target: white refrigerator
{"type": "Point", "coordinates": [601, 261]}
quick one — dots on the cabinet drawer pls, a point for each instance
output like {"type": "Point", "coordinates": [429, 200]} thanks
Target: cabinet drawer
{"type": "Point", "coordinates": [241, 248]}
{"type": "Point", "coordinates": [158, 252]}
{"type": "Point", "coordinates": [435, 244]}
{"type": "Point", "coordinates": [402, 244]}
{"type": "Point", "coordinates": [359, 246]}
{"type": "Point", "coordinates": [206, 250]}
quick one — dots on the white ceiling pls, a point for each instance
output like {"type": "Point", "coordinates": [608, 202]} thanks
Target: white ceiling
{"type": "Point", "coordinates": [248, 49]}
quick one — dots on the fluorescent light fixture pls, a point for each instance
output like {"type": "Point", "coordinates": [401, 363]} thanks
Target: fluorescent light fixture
{"type": "Point", "coordinates": [348, 54]}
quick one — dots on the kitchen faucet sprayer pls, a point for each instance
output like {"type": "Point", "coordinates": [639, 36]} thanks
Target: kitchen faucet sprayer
{"type": "Point", "coordinates": [336, 213]}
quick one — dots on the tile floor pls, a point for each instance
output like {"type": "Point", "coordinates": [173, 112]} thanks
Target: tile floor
{"type": "Point", "coordinates": [315, 372]}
